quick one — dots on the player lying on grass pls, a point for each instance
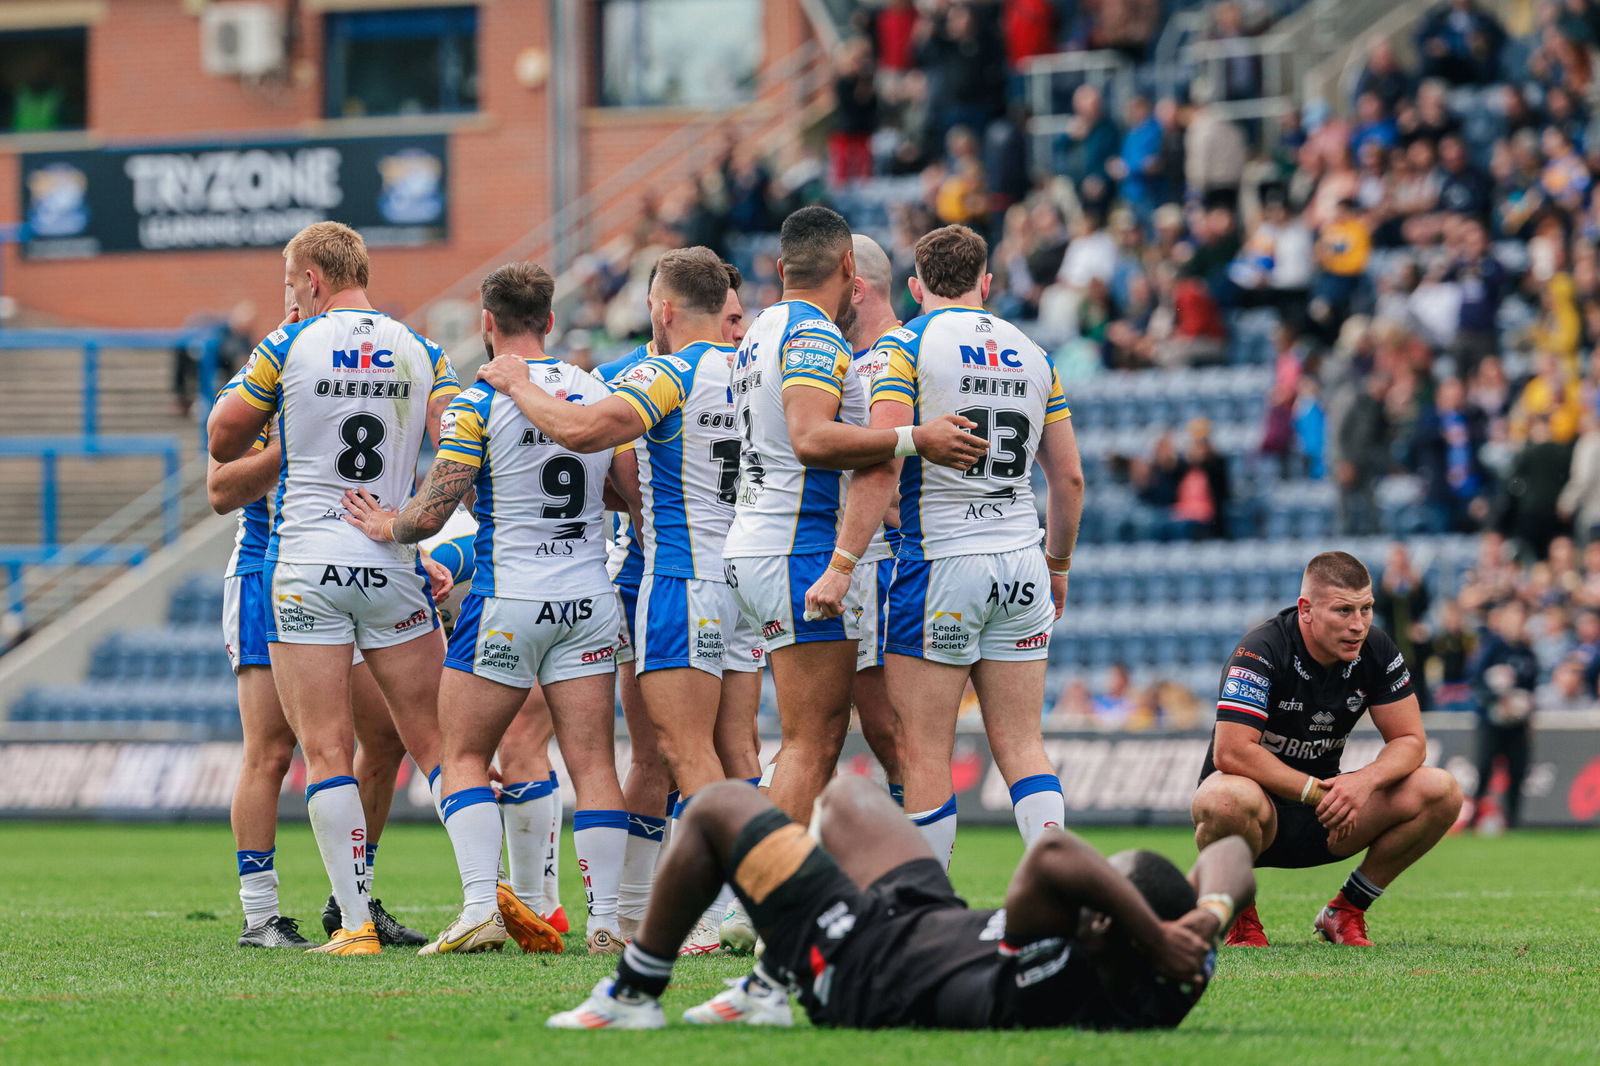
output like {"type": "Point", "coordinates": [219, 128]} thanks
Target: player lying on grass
{"type": "Point", "coordinates": [1295, 687]}
{"type": "Point", "coordinates": [869, 931]}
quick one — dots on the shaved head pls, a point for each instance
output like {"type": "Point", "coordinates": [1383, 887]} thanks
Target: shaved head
{"type": "Point", "coordinates": [872, 265]}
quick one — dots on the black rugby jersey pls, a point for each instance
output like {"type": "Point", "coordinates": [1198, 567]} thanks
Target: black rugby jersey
{"type": "Point", "coordinates": [1305, 711]}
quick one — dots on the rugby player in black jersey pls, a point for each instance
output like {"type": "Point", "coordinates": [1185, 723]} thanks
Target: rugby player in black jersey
{"type": "Point", "coordinates": [869, 932]}
{"type": "Point", "coordinates": [1291, 693]}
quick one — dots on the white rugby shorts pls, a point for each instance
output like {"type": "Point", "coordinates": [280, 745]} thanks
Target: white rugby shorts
{"type": "Point", "coordinates": [771, 593]}
{"type": "Point", "coordinates": [520, 642]}
{"type": "Point", "coordinates": [369, 606]}
{"type": "Point", "coordinates": [971, 607]}
{"type": "Point", "coordinates": [872, 580]}
{"type": "Point", "coordinates": [693, 622]}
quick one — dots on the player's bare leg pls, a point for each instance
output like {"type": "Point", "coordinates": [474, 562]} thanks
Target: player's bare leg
{"type": "Point", "coordinates": [379, 753]}
{"type": "Point", "coordinates": [927, 699]}
{"type": "Point", "coordinates": [585, 730]}
{"type": "Point", "coordinates": [682, 703]}
{"type": "Point", "coordinates": [870, 837]}
{"type": "Point", "coordinates": [268, 750]}
{"type": "Point", "coordinates": [313, 683]}
{"type": "Point", "coordinates": [1011, 695]}
{"type": "Point", "coordinates": [879, 727]}
{"type": "Point", "coordinates": [530, 810]}
{"type": "Point", "coordinates": [738, 744]}
{"type": "Point", "coordinates": [1233, 805]}
{"type": "Point", "coordinates": [408, 676]}
{"type": "Point", "coordinates": [474, 715]}
{"type": "Point", "coordinates": [738, 739]}
{"type": "Point", "coordinates": [813, 683]}
{"type": "Point", "coordinates": [645, 797]}
{"type": "Point", "coordinates": [530, 807]}
{"type": "Point", "coordinates": [1397, 826]}
{"type": "Point", "coordinates": [865, 831]}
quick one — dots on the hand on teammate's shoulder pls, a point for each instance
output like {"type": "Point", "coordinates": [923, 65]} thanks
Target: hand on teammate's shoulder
{"type": "Point", "coordinates": [503, 372]}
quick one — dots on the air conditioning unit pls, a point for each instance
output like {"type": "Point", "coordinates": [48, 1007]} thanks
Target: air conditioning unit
{"type": "Point", "coordinates": [242, 39]}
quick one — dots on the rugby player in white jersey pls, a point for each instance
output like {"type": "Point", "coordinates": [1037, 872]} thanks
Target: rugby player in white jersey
{"type": "Point", "coordinates": [352, 393]}
{"type": "Point", "coordinates": [972, 594]}
{"type": "Point", "coordinates": [689, 635]}
{"type": "Point", "coordinates": [242, 485]}
{"type": "Point", "coordinates": [800, 412]}
{"type": "Point", "coordinates": [541, 611]}
{"type": "Point", "coordinates": [647, 785]}
{"type": "Point", "coordinates": [530, 789]}
{"type": "Point", "coordinates": [874, 316]}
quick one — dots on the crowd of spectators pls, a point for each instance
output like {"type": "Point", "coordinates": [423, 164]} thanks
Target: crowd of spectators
{"type": "Point", "coordinates": [1417, 262]}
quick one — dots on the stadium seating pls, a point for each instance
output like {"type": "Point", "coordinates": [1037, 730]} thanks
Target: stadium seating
{"type": "Point", "coordinates": [1168, 611]}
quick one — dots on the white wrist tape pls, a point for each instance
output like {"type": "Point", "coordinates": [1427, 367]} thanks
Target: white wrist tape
{"type": "Point", "coordinates": [904, 446]}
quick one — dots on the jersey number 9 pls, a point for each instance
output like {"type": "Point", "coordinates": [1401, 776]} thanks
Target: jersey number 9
{"type": "Point", "coordinates": [563, 480]}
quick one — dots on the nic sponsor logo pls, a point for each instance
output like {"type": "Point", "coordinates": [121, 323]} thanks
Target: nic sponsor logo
{"type": "Point", "coordinates": [367, 358]}
{"type": "Point", "coordinates": [991, 355]}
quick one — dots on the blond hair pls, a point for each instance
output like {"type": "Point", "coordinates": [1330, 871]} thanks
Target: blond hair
{"type": "Point", "coordinates": [337, 251]}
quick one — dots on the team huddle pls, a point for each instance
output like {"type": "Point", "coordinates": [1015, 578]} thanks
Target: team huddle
{"type": "Point", "coordinates": [830, 493]}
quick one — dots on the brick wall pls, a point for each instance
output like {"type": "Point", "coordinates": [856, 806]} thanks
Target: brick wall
{"type": "Point", "coordinates": [146, 86]}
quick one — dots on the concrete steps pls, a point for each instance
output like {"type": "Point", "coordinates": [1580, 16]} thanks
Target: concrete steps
{"type": "Point", "coordinates": [41, 394]}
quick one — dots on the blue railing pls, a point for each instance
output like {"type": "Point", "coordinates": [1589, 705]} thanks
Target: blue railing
{"type": "Point", "coordinates": [91, 341]}
{"type": "Point", "coordinates": [89, 441]}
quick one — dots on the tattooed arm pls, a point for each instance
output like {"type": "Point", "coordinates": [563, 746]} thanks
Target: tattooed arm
{"type": "Point", "coordinates": [424, 514]}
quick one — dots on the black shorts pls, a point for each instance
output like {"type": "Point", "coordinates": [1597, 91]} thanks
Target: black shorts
{"type": "Point", "coordinates": [838, 944]}
{"type": "Point", "coordinates": [1301, 839]}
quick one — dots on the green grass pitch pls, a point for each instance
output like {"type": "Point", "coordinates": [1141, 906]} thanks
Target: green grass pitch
{"type": "Point", "coordinates": [117, 945]}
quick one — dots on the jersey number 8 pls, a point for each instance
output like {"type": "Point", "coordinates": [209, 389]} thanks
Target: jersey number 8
{"type": "Point", "coordinates": [361, 461]}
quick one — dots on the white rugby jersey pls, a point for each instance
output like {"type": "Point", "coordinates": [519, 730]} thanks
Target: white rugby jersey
{"type": "Point", "coordinates": [541, 519]}
{"type": "Point", "coordinates": [866, 367]}
{"type": "Point", "coordinates": [688, 458]}
{"type": "Point", "coordinates": [965, 361]}
{"type": "Point", "coordinates": [255, 518]}
{"type": "Point", "coordinates": [782, 508]}
{"type": "Point", "coordinates": [350, 389]}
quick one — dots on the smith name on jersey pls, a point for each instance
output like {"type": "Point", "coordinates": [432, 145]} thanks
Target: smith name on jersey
{"type": "Point", "coordinates": [783, 508]}
{"type": "Point", "coordinates": [350, 389]}
{"type": "Point", "coordinates": [541, 532]}
{"type": "Point", "coordinates": [688, 458]}
{"type": "Point", "coordinates": [965, 361]}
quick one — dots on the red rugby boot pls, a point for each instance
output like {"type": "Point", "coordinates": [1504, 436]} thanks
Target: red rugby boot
{"type": "Point", "coordinates": [1246, 931]}
{"type": "Point", "coordinates": [1340, 923]}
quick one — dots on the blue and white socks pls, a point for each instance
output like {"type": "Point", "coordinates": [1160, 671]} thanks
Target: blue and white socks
{"type": "Point", "coordinates": [938, 828]}
{"type": "Point", "coordinates": [645, 837]}
{"type": "Point", "coordinates": [258, 886]}
{"type": "Point", "coordinates": [334, 805]}
{"type": "Point", "coordinates": [525, 807]}
{"type": "Point", "coordinates": [552, 855]}
{"type": "Point", "coordinates": [1038, 805]}
{"type": "Point", "coordinates": [601, 840]}
{"type": "Point", "coordinates": [436, 790]}
{"type": "Point", "coordinates": [472, 818]}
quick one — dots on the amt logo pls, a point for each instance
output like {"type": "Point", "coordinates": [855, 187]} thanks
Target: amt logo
{"type": "Point", "coordinates": [991, 354]}
{"type": "Point", "coordinates": [363, 358]}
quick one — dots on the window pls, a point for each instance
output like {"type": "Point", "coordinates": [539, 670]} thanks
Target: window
{"type": "Point", "coordinates": [679, 53]}
{"type": "Point", "coordinates": [413, 61]}
{"type": "Point", "coordinates": [43, 80]}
